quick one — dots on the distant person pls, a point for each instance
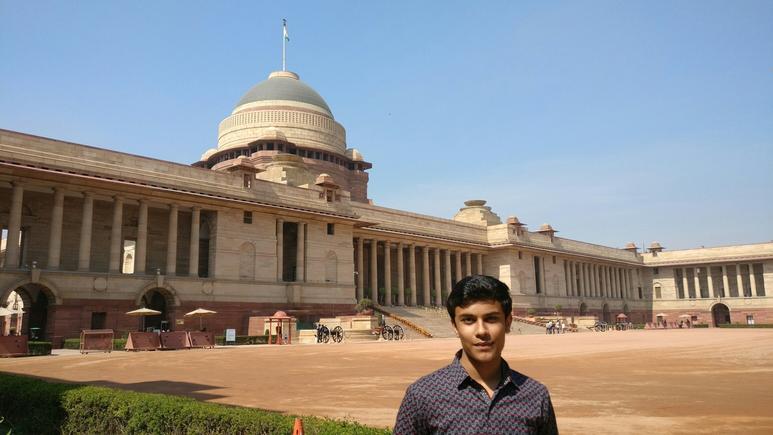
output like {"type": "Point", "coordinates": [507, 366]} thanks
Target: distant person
{"type": "Point", "coordinates": [563, 327]}
{"type": "Point", "coordinates": [478, 392]}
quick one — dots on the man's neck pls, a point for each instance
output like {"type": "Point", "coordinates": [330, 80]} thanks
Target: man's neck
{"type": "Point", "coordinates": [487, 375]}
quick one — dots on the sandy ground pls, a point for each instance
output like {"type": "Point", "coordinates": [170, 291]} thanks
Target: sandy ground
{"type": "Point", "coordinates": [678, 381]}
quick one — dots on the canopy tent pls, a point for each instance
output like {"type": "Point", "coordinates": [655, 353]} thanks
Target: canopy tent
{"type": "Point", "coordinates": [200, 312]}
{"type": "Point", "coordinates": [142, 312]}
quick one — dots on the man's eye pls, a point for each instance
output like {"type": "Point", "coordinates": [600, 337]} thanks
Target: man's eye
{"type": "Point", "coordinates": [468, 321]}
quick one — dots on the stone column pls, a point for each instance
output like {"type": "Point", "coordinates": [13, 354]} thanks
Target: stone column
{"type": "Point", "coordinates": [280, 249]}
{"type": "Point", "coordinates": [584, 279]}
{"type": "Point", "coordinates": [739, 280]}
{"type": "Point", "coordinates": [55, 234]}
{"type": "Point", "coordinates": [438, 284]}
{"type": "Point", "coordinates": [142, 240]}
{"type": "Point", "coordinates": [412, 272]}
{"type": "Point", "coordinates": [387, 273]}
{"type": "Point", "coordinates": [374, 271]}
{"type": "Point", "coordinates": [725, 282]}
{"type": "Point", "coordinates": [573, 278]}
{"type": "Point", "coordinates": [449, 283]}
{"type": "Point", "coordinates": [115, 235]}
{"type": "Point", "coordinates": [710, 282]}
{"type": "Point", "coordinates": [84, 248]}
{"type": "Point", "coordinates": [468, 263]}
{"type": "Point", "coordinates": [753, 281]}
{"type": "Point", "coordinates": [566, 277]}
{"type": "Point", "coordinates": [300, 253]}
{"type": "Point", "coordinates": [425, 275]}
{"type": "Point", "coordinates": [193, 253]}
{"type": "Point", "coordinates": [620, 286]}
{"type": "Point", "coordinates": [597, 279]}
{"type": "Point", "coordinates": [480, 264]}
{"type": "Point", "coordinates": [171, 242]}
{"type": "Point", "coordinates": [608, 281]}
{"type": "Point", "coordinates": [458, 258]}
{"type": "Point", "coordinates": [12, 250]}
{"type": "Point", "coordinates": [685, 284]}
{"type": "Point", "coordinates": [400, 275]}
{"type": "Point", "coordinates": [697, 281]}
{"type": "Point", "coordinates": [360, 271]}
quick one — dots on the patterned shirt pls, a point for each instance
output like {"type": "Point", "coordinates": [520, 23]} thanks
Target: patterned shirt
{"type": "Point", "coordinates": [449, 401]}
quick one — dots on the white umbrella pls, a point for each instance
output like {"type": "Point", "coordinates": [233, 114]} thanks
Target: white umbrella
{"type": "Point", "coordinates": [200, 312]}
{"type": "Point", "coordinates": [142, 312]}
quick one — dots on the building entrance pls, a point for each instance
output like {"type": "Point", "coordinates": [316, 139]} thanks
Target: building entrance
{"type": "Point", "coordinates": [720, 314]}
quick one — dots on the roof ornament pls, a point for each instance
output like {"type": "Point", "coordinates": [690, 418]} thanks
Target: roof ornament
{"type": "Point", "coordinates": [285, 40]}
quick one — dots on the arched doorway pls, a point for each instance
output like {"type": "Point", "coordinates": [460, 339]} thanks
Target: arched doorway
{"type": "Point", "coordinates": [583, 309]}
{"type": "Point", "coordinates": [34, 301]}
{"type": "Point", "coordinates": [720, 313]}
{"type": "Point", "coordinates": [157, 299]}
{"type": "Point", "coordinates": [605, 313]}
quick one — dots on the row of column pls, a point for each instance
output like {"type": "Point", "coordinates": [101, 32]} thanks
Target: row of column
{"type": "Point", "coordinates": [431, 288]}
{"type": "Point", "coordinates": [598, 281]}
{"type": "Point", "coordinates": [84, 247]}
{"type": "Point", "coordinates": [713, 291]}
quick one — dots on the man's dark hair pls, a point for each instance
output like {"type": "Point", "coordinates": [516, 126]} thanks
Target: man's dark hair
{"type": "Point", "coordinates": [476, 288]}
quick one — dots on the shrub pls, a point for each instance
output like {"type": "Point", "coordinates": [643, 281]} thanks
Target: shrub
{"type": "Point", "coordinates": [68, 409]}
{"type": "Point", "coordinates": [363, 305]}
{"type": "Point", "coordinates": [744, 325]}
{"type": "Point", "coordinates": [244, 339]}
{"type": "Point", "coordinates": [39, 347]}
{"type": "Point", "coordinates": [75, 343]}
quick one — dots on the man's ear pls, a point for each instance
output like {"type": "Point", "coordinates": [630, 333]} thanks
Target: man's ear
{"type": "Point", "coordinates": [508, 322]}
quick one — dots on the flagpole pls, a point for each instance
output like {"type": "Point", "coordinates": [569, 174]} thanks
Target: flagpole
{"type": "Point", "coordinates": [284, 41]}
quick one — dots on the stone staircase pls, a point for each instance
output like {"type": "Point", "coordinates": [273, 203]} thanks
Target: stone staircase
{"type": "Point", "coordinates": [434, 321]}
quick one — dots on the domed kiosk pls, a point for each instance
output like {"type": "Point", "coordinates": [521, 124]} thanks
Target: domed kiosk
{"type": "Point", "coordinates": [283, 114]}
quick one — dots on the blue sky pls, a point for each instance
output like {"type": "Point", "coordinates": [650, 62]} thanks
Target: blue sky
{"type": "Point", "coordinates": [612, 121]}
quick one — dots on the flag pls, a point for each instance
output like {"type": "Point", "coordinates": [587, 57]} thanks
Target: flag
{"type": "Point", "coordinates": [284, 29]}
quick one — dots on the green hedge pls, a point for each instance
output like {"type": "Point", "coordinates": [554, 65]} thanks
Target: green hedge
{"type": "Point", "coordinates": [71, 409]}
{"type": "Point", "coordinates": [744, 325]}
{"type": "Point", "coordinates": [75, 343]}
{"type": "Point", "coordinates": [39, 347]}
{"type": "Point", "coordinates": [244, 339]}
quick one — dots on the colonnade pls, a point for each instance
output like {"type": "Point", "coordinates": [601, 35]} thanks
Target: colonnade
{"type": "Point", "coordinates": [717, 290]}
{"type": "Point", "coordinates": [115, 252]}
{"type": "Point", "coordinates": [448, 267]}
{"type": "Point", "coordinates": [592, 280]}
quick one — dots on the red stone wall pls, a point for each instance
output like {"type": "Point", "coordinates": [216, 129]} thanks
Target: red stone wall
{"type": "Point", "coordinates": [67, 320]}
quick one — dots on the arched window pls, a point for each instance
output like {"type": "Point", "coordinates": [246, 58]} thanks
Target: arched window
{"type": "Point", "coordinates": [247, 261]}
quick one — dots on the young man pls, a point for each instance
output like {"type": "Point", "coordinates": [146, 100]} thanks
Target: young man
{"type": "Point", "coordinates": [477, 393]}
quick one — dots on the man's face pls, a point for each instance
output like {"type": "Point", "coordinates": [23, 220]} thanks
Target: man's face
{"type": "Point", "coordinates": [482, 327]}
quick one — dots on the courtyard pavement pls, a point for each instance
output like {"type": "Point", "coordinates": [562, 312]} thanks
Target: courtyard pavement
{"type": "Point", "coordinates": [672, 381]}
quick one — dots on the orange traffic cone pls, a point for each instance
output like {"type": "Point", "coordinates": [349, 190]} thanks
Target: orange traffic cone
{"type": "Point", "coordinates": [298, 427]}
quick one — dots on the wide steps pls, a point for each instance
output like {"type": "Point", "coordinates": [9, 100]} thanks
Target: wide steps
{"type": "Point", "coordinates": [433, 320]}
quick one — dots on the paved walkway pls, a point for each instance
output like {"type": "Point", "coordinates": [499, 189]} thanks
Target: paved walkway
{"type": "Point", "coordinates": [673, 381]}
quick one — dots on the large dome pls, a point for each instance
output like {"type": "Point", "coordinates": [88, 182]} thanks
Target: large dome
{"type": "Point", "coordinates": [284, 86]}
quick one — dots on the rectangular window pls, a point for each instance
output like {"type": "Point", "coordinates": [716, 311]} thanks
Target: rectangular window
{"type": "Point", "coordinates": [554, 259]}
{"type": "Point", "coordinates": [520, 255]}
{"type": "Point", "coordinates": [331, 229]}
{"type": "Point", "coordinates": [537, 275]}
{"type": "Point", "coordinates": [127, 262]}
{"type": "Point", "coordinates": [658, 293]}
{"type": "Point", "coordinates": [98, 320]}
{"type": "Point", "coordinates": [270, 147]}
{"type": "Point", "coordinates": [655, 271]}
{"type": "Point", "coordinates": [247, 181]}
{"type": "Point", "coordinates": [750, 319]}
{"type": "Point", "coordinates": [640, 294]}
{"type": "Point", "coordinates": [247, 219]}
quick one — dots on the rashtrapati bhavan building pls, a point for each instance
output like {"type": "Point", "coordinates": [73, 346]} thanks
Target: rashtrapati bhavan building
{"type": "Point", "coordinates": [277, 217]}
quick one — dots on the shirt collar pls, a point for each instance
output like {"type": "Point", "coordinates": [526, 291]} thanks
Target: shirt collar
{"type": "Point", "coordinates": [460, 375]}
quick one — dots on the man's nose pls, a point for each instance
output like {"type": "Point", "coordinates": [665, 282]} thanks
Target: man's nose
{"type": "Point", "coordinates": [481, 329]}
